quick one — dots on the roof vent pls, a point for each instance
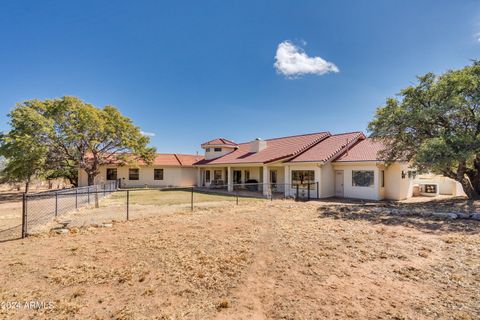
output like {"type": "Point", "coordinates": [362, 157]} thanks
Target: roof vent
{"type": "Point", "coordinates": [257, 145]}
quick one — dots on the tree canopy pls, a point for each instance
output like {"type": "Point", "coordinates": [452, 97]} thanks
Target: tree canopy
{"type": "Point", "coordinates": [55, 137]}
{"type": "Point", "coordinates": [435, 125]}
{"type": "Point", "coordinates": [24, 147]}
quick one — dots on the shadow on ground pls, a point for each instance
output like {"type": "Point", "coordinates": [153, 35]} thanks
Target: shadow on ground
{"type": "Point", "coordinates": [419, 215]}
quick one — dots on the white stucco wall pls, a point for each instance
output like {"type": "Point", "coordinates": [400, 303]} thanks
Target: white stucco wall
{"type": "Point", "coordinates": [215, 154]}
{"type": "Point", "coordinates": [396, 187]}
{"type": "Point", "coordinates": [351, 191]}
{"type": "Point", "coordinates": [327, 181]}
{"type": "Point", "coordinates": [172, 176]}
{"type": "Point", "coordinates": [447, 186]}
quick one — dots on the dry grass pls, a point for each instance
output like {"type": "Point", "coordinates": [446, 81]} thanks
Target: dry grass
{"type": "Point", "coordinates": [166, 197]}
{"type": "Point", "coordinates": [276, 260]}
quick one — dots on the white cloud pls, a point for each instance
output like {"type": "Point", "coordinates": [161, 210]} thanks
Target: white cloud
{"type": "Point", "coordinates": [148, 134]}
{"type": "Point", "coordinates": [292, 62]}
{"type": "Point", "coordinates": [477, 36]}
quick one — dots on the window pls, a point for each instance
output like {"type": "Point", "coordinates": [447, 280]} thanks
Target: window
{"type": "Point", "coordinates": [157, 174]}
{"type": "Point", "coordinates": [217, 149]}
{"type": "Point", "coordinates": [207, 150]}
{"type": "Point", "coordinates": [207, 176]}
{"type": "Point", "coordinates": [303, 178]}
{"type": "Point", "coordinates": [362, 178]}
{"type": "Point", "coordinates": [246, 176]}
{"type": "Point", "coordinates": [133, 174]}
{"type": "Point", "coordinates": [383, 179]}
{"type": "Point", "coordinates": [217, 174]}
{"type": "Point", "coordinates": [111, 173]}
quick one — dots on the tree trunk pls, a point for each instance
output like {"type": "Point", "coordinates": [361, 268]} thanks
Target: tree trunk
{"type": "Point", "coordinates": [469, 190]}
{"type": "Point", "coordinates": [73, 181]}
{"type": "Point", "coordinates": [91, 179]}
{"type": "Point", "coordinates": [27, 185]}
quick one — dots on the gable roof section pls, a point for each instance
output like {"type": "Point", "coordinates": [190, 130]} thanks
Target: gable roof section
{"type": "Point", "coordinates": [329, 148]}
{"type": "Point", "coordinates": [277, 149]}
{"type": "Point", "coordinates": [364, 150]}
{"type": "Point", "coordinates": [219, 142]}
{"type": "Point", "coordinates": [188, 159]}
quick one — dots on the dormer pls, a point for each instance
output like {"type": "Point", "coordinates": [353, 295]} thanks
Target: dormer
{"type": "Point", "coordinates": [218, 147]}
{"type": "Point", "coordinates": [257, 145]}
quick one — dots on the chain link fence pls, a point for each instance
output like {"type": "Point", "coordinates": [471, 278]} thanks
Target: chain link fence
{"type": "Point", "coordinates": [105, 203]}
{"type": "Point", "coordinates": [41, 208]}
{"type": "Point", "coordinates": [134, 203]}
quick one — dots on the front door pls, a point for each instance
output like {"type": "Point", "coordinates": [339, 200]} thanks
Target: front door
{"type": "Point", "coordinates": [339, 183]}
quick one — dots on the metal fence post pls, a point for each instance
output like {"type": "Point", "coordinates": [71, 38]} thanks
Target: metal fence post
{"type": "Point", "coordinates": [271, 191]}
{"type": "Point", "coordinates": [56, 204]}
{"type": "Point", "coordinates": [308, 190]}
{"type": "Point", "coordinates": [24, 215]}
{"type": "Point", "coordinates": [76, 198]}
{"type": "Point", "coordinates": [296, 196]}
{"type": "Point", "coordinates": [236, 192]}
{"type": "Point", "coordinates": [88, 194]}
{"type": "Point", "coordinates": [128, 204]}
{"type": "Point", "coordinates": [318, 191]}
{"type": "Point", "coordinates": [191, 201]}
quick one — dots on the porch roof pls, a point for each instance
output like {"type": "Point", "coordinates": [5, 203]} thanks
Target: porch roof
{"type": "Point", "coordinates": [278, 148]}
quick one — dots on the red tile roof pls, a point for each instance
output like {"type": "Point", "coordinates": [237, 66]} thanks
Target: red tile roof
{"type": "Point", "coordinates": [219, 141]}
{"type": "Point", "coordinates": [277, 149]}
{"type": "Point", "coordinates": [364, 150]}
{"type": "Point", "coordinates": [188, 159]}
{"type": "Point", "coordinates": [329, 148]}
{"type": "Point", "coordinates": [168, 159]}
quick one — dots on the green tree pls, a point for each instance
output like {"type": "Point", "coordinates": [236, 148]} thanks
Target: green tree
{"type": "Point", "coordinates": [435, 125]}
{"type": "Point", "coordinates": [89, 137]}
{"type": "Point", "coordinates": [3, 163]}
{"type": "Point", "coordinates": [24, 147]}
{"type": "Point", "coordinates": [73, 134]}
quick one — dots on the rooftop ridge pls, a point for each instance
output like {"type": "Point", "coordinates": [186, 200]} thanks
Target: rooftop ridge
{"type": "Point", "coordinates": [343, 133]}
{"type": "Point", "coordinates": [354, 139]}
{"type": "Point", "coordinates": [176, 157]}
{"type": "Point", "coordinates": [293, 136]}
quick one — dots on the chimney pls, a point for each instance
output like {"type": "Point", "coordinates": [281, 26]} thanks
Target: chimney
{"type": "Point", "coordinates": [257, 145]}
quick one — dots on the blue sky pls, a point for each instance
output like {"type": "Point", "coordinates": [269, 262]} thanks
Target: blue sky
{"type": "Point", "coordinates": [190, 71]}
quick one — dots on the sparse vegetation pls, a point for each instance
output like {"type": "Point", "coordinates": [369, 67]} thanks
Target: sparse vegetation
{"type": "Point", "coordinates": [277, 260]}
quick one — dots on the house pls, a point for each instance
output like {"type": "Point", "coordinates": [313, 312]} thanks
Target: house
{"type": "Point", "coordinates": [318, 164]}
{"type": "Point", "coordinates": [342, 165]}
{"type": "Point", "coordinates": [167, 169]}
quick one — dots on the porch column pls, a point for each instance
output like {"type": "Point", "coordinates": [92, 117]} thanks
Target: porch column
{"type": "Point", "coordinates": [288, 178]}
{"type": "Point", "coordinates": [266, 180]}
{"type": "Point", "coordinates": [199, 177]}
{"type": "Point", "coordinates": [230, 179]}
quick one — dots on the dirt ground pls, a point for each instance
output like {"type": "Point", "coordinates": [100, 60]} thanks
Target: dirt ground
{"type": "Point", "coordinates": [264, 260]}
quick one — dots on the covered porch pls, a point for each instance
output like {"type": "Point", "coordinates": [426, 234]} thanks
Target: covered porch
{"type": "Point", "coordinates": [258, 178]}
